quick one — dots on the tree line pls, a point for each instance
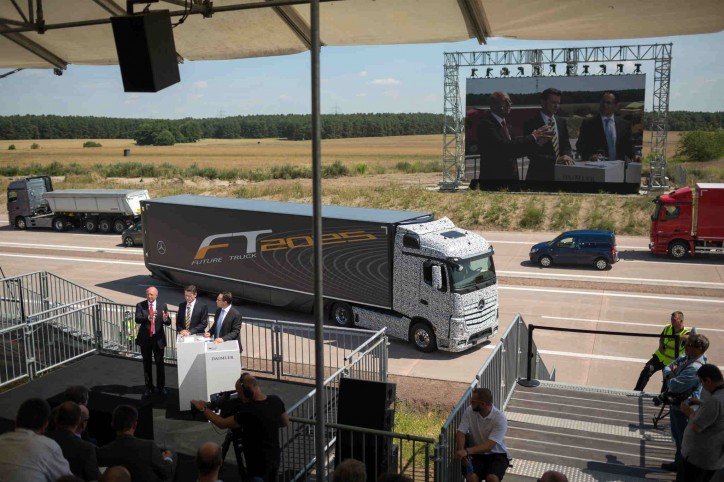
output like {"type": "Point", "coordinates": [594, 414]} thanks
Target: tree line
{"type": "Point", "coordinates": [149, 131]}
{"type": "Point", "coordinates": [290, 126]}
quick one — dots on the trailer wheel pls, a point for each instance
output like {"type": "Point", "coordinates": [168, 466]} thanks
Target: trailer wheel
{"type": "Point", "coordinates": [91, 225]}
{"type": "Point", "coordinates": [341, 314]}
{"type": "Point", "coordinates": [104, 226]}
{"type": "Point", "coordinates": [422, 336]}
{"type": "Point", "coordinates": [59, 224]}
{"type": "Point", "coordinates": [678, 250]}
{"type": "Point", "coordinates": [20, 223]}
{"type": "Point", "coordinates": [119, 226]}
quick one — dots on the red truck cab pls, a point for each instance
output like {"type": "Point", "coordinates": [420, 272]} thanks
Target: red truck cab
{"type": "Point", "coordinates": [689, 221]}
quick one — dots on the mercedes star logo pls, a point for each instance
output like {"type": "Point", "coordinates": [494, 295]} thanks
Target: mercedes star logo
{"type": "Point", "coordinates": [481, 305]}
{"type": "Point", "coordinates": [161, 247]}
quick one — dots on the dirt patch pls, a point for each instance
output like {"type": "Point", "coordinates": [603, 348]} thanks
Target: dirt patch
{"type": "Point", "coordinates": [428, 394]}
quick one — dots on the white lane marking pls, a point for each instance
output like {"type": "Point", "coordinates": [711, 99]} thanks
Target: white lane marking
{"type": "Point", "coordinates": [613, 295]}
{"type": "Point", "coordinates": [75, 260]}
{"type": "Point", "coordinates": [658, 326]}
{"type": "Point", "coordinates": [668, 282]}
{"type": "Point", "coordinates": [76, 248]}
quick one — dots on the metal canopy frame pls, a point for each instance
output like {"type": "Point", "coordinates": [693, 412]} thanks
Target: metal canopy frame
{"type": "Point", "coordinates": [453, 154]}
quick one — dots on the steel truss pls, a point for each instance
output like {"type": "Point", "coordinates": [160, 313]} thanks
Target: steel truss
{"type": "Point", "coordinates": [453, 160]}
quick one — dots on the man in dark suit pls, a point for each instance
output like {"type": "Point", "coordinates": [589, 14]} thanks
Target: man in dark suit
{"type": "Point", "coordinates": [606, 134]}
{"type": "Point", "coordinates": [192, 315]}
{"type": "Point", "coordinates": [498, 149]}
{"type": "Point", "coordinates": [227, 320]}
{"type": "Point", "coordinates": [143, 458]}
{"type": "Point", "coordinates": [81, 455]}
{"type": "Point", "coordinates": [542, 164]}
{"type": "Point", "coordinates": [151, 316]}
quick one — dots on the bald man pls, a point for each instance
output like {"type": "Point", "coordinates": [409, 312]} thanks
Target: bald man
{"type": "Point", "coordinates": [553, 476]}
{"type": "Point", "coordinates": [208, 461]}
{"type": "Point", "coordinates": [151, 316]}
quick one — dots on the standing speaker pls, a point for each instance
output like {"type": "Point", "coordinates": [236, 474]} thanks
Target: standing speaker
{"type": "Point", "coordinates": [366, 404]}
{"type": "Point", "coordinates": [146, 51]}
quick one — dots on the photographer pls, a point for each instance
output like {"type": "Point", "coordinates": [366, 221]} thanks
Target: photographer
{"type": "Point", "coordinates": [259, 416]}
{"type": "Point", "coordinates": [682, 383]}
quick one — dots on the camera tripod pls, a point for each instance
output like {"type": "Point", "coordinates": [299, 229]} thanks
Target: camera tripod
{"type": "Point", "coordinates": [233, 437]}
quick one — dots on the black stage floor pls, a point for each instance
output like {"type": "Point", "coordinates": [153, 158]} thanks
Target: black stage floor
{"type": "Point", "coordinates": [108, 377]}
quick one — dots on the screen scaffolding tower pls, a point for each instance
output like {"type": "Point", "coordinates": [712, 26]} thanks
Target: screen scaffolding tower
{"type": "Point", "coordinates": [453, 154]}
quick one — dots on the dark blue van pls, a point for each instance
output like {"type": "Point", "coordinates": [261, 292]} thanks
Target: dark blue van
{"type": "Point", "coordinates": [588, 247]}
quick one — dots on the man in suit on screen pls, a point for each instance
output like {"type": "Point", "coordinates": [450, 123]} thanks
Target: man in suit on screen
{"type": "Point", "coordinates": [605, 135]}
{"type": "Point", "coordinates": [542, 163]}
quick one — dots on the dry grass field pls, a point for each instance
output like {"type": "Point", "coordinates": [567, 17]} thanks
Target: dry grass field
{"type": "Point", "coordinates": [228, 153]}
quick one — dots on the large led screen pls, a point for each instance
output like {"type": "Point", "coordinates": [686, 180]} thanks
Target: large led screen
{"type": "Point", "coordinates": [592, 142]}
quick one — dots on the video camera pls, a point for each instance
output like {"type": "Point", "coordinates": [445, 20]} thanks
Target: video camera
{"type": "Point", "coordinates": [668, 398]}
{"type": "Point", "coordinates": [225, 403]}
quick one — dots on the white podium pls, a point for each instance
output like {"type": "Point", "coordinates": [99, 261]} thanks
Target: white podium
{"type": "Point", "coordinates": [591, 171]}
{"type": "Point", "coordinates": [205, 367]}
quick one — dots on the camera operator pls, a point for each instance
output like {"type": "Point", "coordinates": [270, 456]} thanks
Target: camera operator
{"type": "Point", "coordinates": [682, 383]}
{"type": "Point", "coordinates": [259, 416]}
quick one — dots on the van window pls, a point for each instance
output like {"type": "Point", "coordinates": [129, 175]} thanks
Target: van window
{"type": "Point", "coordinates": [12, 196]}
{"type": "Point", "coordinates": [568, 242]}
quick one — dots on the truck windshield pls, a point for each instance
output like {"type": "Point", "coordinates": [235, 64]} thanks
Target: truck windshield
{"type": "Point", "coordinates": [655, 216]}
{"type": "Point", "coordinates": [469, 274]}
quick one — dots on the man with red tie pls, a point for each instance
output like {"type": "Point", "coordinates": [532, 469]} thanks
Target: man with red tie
{"type": "Point", "coordinates": [151, 316]}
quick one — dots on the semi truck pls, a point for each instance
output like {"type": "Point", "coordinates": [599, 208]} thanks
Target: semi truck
{"type": "Point", "coordinates": [32, 203]}
{"type": "Point", "coordinates": [425, 280]}
{"type": "Point", "coordinates": [689, 221]}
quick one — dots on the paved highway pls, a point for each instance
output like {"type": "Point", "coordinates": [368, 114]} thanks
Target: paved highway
{"type": "Point", "coordinates": [636, 295]}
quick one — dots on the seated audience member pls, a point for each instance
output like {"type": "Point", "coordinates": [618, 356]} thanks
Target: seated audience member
{"type": "Point", "coordinates": [703, 445]}
{"type": "Point", "coordinates": [350, 470]}
{"type": "Point", "coordinates": [392, 477]}
{"type": "Point", "coordinates": [25, 454]}
{"type": "Point", "coordinates": [77, 393]}
{"type": "Point", "coordinates": [553, 476]}
{"type": "Point", "coordinates": [143, 458]}
{"type": "Point", "coordinates": [117, 473]}
{"type": "Point", "coordinates": [208, 461]}
{"type": "Point", "coordinates": [486, 458]}
{"type": "Point", "coordinates": [81, 455]}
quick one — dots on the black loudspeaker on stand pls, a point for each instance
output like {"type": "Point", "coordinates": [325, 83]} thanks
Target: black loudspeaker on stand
{"type": "Point", "coordinates": [366, 404]}
{"type": "Point", "coordinates": [146, 51]}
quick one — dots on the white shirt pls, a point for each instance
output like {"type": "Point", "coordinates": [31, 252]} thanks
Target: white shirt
{"type": "Point", "coordinates": [493, 427]}
{"type": "Point", "coordinates": [26, 456]}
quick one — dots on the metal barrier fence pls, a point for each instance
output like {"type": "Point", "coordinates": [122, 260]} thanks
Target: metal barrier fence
{"type": "Point", "coordinates": [298, 438]}
{"type": "Point", "coordinates": [505, 365]}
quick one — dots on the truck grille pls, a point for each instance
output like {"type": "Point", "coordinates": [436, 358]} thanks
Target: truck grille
{"type": "Point", "coordinates": [474, 316]}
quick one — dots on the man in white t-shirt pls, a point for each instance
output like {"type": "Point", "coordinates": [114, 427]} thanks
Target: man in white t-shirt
{"type": "Point", "coordinates": [485, 426]}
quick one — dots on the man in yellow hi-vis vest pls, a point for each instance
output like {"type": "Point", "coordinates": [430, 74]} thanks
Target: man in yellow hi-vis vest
{"type": "Point", "coordinates": [666, 352]}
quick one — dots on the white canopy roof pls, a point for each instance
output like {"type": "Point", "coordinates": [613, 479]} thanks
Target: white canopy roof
{"type": "Point", "coordinates": [285, 29]}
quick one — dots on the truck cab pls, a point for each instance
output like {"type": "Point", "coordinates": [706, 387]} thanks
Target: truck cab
{"type": "Point", "coordinates": [445, 285]}
{"type": "Point", "coordinates": [25, 199]}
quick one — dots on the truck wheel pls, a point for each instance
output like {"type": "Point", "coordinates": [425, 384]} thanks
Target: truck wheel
{"type": "Point", "coordinates": [119, 226]}
{"type": "Point", "coordinates": [422, 336]}
{"type": "Point", "coordinates": [128, 241]}
{"type": "Point", "coordinates": [678, 250]}
{"type": "Point", "coordinates": [59, 224]}
{"type": "Point", "coordinates": [91, 225]}
{"type": "Point", "coordinates": [104, 226]}
{"type": "Point", "coordinates": [545, 261]}
{"type": "Point", "coordinates": [341, 314]}
{"type": "Point", "coordinates": [20, 223]}
{"type": "Point", "coordinates": [601, 264]}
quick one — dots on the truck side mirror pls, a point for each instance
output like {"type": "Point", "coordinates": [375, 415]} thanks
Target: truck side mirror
{"type": "Point", "coordinates": [436, 277]}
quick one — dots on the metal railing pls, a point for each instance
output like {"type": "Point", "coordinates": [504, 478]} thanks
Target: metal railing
{"type": "Point", "coordinates": [499, 373]}
{"type": "Point", "coordinates": [298, 438]}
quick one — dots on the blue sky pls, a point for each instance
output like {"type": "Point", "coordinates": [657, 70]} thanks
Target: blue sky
{"type": "Point", "coordinates": [391, 78]}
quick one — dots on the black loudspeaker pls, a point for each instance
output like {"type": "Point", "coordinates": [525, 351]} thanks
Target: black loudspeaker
{"type": "Point", "coordinates": [101, 406]}
{"type": "Point", "coordinates": [366, 404]}
{"type": "Point", "coordinates": [146, 51]}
